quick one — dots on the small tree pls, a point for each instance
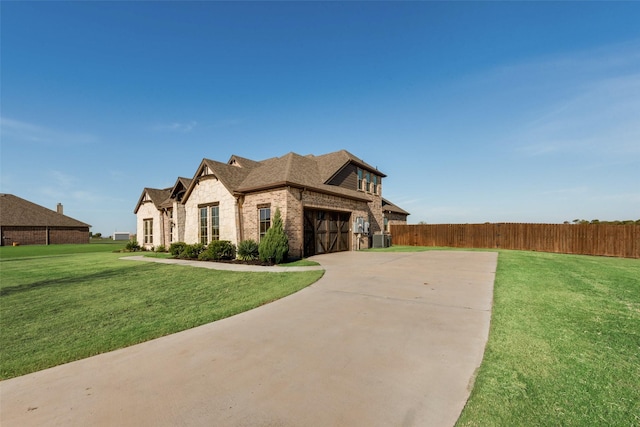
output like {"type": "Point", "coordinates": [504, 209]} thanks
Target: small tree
{"type": "Point", "coordinates": [274, 246]}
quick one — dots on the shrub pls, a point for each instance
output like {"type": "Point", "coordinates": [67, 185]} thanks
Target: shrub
{"type": "Point", "coordinates": [176, 248]}
{"type": "Point", "coordinates": [274, 246]}
{"type": "Point", "coordinates": [248, 250]}
{"type": "Point", "coordinates": [132, 246]}
{"type": "Point", "coordinates": [191, 251]}
{"type": "Point", "coordinates": [217, 250]}
{"type": "Point", "coordinates": [161, 248]}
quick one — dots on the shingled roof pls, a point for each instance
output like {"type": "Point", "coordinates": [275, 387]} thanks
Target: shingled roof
{"type": "Point", "coordinates": [18, 212]}
{"type": "Point", "coordinates": [157, 195]}
{"type": "Point", "coordinates": [240, 175]}
{"type": "Point", "coordinates": [387, 206]}
{"type": "Point", "coordinates": [332, 163]}
{"type": "Point", "coordinates": [292, 169]}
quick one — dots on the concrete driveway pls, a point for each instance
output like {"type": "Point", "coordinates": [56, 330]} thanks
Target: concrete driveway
{"type": "Point", "coordinates": [383, 339]}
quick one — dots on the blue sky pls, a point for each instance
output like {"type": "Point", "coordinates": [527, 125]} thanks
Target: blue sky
{"type": "Point", "coordinates": [476, 111]}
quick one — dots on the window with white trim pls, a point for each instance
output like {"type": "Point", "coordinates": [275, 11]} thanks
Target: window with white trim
{"type": "Point", "coordinates": [148, 231]}
{"type": "Point", "coordinates": [209, 220]}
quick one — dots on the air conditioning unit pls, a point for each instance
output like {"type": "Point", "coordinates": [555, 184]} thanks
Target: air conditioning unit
{"type": "Point", "coordinates": [381, 240]}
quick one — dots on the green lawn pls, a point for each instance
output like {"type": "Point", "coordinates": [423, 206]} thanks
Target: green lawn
{"type": "Point", "coordinates": [564, 345]}
{"type": "Point", "coordinates": [60, 304]}
{"type": "Point", "coordinates": [9, 252]}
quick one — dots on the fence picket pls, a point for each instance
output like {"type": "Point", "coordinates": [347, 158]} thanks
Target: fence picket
{"type": "Point", "coordinates": [584, 239]}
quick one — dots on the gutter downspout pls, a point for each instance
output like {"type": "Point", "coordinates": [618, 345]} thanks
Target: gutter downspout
{"type": "Point", "coordinates": [239, 225]}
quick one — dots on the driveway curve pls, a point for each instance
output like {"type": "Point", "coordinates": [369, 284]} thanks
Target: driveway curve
{"type": "Point", "coordinates": [383, 339]}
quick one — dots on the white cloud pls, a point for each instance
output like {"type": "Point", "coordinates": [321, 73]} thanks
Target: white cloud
{"type": "Point", "coordinates": [224, 123]}
{"type": "Point", "coordinates": [183, 127]}
{"type": "Point", "coordinates": [62, 186]}
{"type": "Point", "coordinates": [603, 118]}
{"type": "Point", "coordinates": [32, 133]}
{"type": "Point", "coordinates": [585, 102]}
{"type": "Point", "coordinates": [567, 191]}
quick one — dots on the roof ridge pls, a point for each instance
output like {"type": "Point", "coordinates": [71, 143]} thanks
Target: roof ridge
{"type": "Point", "coordinates": [288, 165]}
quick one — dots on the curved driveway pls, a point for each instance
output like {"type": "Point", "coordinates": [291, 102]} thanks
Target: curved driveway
{"type": "Point", "coordinates": [383, 339]}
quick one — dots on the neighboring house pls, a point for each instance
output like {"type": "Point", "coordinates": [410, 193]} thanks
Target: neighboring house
{"type": "Point", "coordinates": [329, 203]}
{"type": "Point", "coordinates": [25, 223]}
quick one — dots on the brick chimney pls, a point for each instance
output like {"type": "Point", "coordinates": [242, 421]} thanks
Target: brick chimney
{"type": "Point", "coordinates": [59, 209]}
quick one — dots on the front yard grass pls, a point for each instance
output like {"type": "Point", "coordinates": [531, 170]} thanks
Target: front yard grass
{"type": "Point", "coordinates": [564, 344]}
{"type": "Point", "coordinates": [65, 306]}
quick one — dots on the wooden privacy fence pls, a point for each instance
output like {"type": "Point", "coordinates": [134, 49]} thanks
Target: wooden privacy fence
{"type": "Point", "coordinates": [584, 239]}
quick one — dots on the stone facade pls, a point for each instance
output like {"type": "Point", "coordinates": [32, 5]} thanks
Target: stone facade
{"type": "Point", "coordinates": [207, 191]}
{"type": "Point", "coordinates": [146, 211]}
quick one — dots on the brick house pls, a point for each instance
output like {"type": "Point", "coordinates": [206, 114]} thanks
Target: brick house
{"type": "Point", "coordinates": [329, 203]}
{"type": "Point", "coordinates": [25, 223]}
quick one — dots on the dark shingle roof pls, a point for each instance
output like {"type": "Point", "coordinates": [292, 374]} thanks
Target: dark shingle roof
{"type": "Point", "coordinates": [158, 197]}
{"type": "Point", "coordinates": [230, 176]}
{"type": "Point", "coordinates": [295, 170]}
{"type": "Point", "coordinates": [180, 186]}
{"type": "Point", "coordinates": [15, 211]}
{"type": "Point", "coordinates": [331, 163]}
{"type": "Point", "coordinates": [387, 206]}
{"type": "Point", "coordinates": [241, 175]}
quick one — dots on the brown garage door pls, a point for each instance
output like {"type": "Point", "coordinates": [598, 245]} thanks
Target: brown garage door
{"type": "Point", "coordinates": [325, 231]}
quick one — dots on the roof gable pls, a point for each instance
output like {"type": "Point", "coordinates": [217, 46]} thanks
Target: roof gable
{"type": "Point", "coordinates": [15, 211]}
{"type": "Point", "coordinates": [230, 175]}
{"type": "Point", "coordinates": [331, 164]}
{"type": "Point", "coordinates": [179, 188]}
{"type": "Point", "coordinates": [154, 195]}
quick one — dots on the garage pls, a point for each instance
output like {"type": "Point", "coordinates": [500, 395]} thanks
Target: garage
{"type": "Point", "coordinates": [326, 231]}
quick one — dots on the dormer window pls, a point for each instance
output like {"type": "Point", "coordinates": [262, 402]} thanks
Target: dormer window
{"type": "Point", "coordinates": [360, 174]}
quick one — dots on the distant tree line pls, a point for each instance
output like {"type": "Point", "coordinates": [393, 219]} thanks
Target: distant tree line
{"type": "Point", "coordinates": [585, 221]}
{"type": "Point", "coordinates": [597, 221]}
